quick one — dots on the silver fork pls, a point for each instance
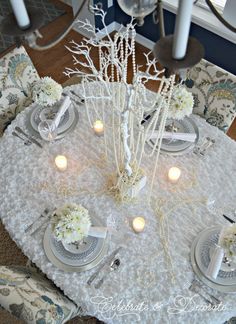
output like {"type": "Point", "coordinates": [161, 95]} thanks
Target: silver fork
{"type": "Point", "coordinates": [26, 142]}
{"type": "Point", "coordinates": [197, 288]}
{"type": "Point", "coordinates": [78, 96]}
{"type": "Point", "coordinates": [50, 212]}
{"type": "Point", "coordinates": [44, 213]}
{"type": "Point", "coordinates": [75, 101]}
{"type": "Point", "coordinates": [202, 148]}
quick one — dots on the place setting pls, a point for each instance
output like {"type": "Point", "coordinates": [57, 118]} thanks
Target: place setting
{"type": "Point", "coordinates": [55, 113]}
{"type": "Point", "coordinates": [181, 133]}
{"type": "Point", "coordinates": [213, 257]}
{"type": "Point", "coordinates": [113, 204]}
{"type": "Point", "coordinates": [73, 240]}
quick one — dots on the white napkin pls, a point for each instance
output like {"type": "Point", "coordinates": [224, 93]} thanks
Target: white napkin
{"type": "Point", "coordinates": [188, 137]}
{"type": "Point", "coordinates": [63, 108]}
{"type": "Point", "coordinates": [215, 263]}
{"type": "Point", "coordinates": [98, 231]}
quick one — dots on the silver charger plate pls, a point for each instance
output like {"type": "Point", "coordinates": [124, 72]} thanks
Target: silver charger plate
{"type": "Point", "coordinates": [49, 113]}
{"type": "Point", "coordinates": [66, 267]}
{"type": "Point", "coordinates": [201, 276]}
{"type": "Point", "coordinates": [177, 147]}
{"type": "Point", "coordinates": [59, 136]}
{"type": "Point", "coordinates": [206, 243]}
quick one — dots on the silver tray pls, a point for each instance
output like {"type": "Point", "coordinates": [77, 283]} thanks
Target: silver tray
{"type": "Point", "coordinates": [66, 267]}
{"type": "Point", "coordinates": [201, 276]}
{"type": "Point", "coordinates": [177, 147]}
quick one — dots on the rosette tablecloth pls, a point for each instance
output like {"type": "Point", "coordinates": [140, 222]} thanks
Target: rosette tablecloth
{"type": "Point", "coordinates": [151, 285]}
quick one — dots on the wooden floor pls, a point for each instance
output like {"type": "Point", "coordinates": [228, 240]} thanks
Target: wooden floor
{"type": "Point", "coordinates": [53, 62]}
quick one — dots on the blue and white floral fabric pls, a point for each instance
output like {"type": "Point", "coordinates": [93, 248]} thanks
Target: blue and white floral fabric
{"type": "Point", "coordinates": [17, 74]}
{"type": "Point", "coordinates": [214, 91]}
{"type": "Point", "coordinates": [33, 298]}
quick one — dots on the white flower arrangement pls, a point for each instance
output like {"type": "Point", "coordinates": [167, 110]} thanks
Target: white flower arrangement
{"type": "Point", "coordinates": [71, 223]}
{"type": "Point", "coordinates": [227, 241]}
{"type": "Point", "coordinates": [46, 91]}
{"type": "Point", "coordinates": [181, 103]}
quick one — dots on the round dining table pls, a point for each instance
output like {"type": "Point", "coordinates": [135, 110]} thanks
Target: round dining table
{"type": "Point", "coordinates": [152, 282]}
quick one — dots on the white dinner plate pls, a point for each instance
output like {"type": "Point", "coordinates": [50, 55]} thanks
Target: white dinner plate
{"type": "Point", "coordinates": [66, 267]}
{"type": "Point", "coordinates": [40, 113]}
{"type": "Point", "coordinates": [177, 147]}
{"type": "Point", "coordinates": [59, 136]}
{"type": "Point", "coordinates": [202, 277]}
{"type": "Point", "coordinates": [207, 241]}
{"type": "Point", "coordinates": [86, 252]}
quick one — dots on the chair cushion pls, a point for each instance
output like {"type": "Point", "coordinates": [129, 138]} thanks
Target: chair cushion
{"type": "Point", "coordinates": [214, 91]}
{"type": "Point", "coordinates": [17, 74]}
{"type": "Point", "coordinates": [33, 298]}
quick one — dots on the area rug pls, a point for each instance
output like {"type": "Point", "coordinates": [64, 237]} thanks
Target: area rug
{"type": "Point", "coordinates": [51, 12]}
{"type": "Point", "coordinates": [10, 254]}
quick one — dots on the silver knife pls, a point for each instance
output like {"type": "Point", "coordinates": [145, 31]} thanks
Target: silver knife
{"type": "Point", "coordinates": [19, 130]}
{"type": "Point", "coordinates": [107, 261]}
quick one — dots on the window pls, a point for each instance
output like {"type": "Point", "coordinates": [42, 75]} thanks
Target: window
{"type": "Point", "coordinates": [206, 19]}
{"type": "Point", "coordinates": [219, 4]}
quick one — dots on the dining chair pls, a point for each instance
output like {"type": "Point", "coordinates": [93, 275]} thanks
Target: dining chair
{"type": "Point", "coordinates": [17, 73]}
{"type": "Point", "coordinates": [31, 297]}
{"type": "Point", "coordinates": [214, 92]}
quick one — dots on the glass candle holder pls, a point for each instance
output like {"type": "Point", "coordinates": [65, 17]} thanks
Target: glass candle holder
{"type": "Point", "coordinates": [98, 127]}
{"type": "Point", "coordinates": [61, 162]}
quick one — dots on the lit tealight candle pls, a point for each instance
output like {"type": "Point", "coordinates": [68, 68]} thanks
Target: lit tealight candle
{"type": "Point", "coordinates": [174, 174]}
{"type": "Point", "coordinates": [98, 127]}
{"type": "Point", "coordinates": [138, 224]}
{"type": "Point", "coordinates": [61, 162]}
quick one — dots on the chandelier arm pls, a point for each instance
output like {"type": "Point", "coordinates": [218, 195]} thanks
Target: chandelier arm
{"type": "Point", "coordinates": [220, 17]}
{"type": "Point", "coordinates": [161, 19]}
{"type": "Point", "coordinates": [32, 38]}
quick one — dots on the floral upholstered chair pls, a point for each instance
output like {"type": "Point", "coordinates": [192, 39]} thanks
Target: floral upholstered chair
{"type": "Point", "coordinates": [214, 91]}
{"type": "Point", "coordinates": [32, 298]}
{"type": "Point", "coordinates": [17, 74]}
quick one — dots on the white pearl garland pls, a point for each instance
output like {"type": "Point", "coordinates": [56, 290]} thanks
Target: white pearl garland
{"type": "Point", "coordinates": [133, 50]}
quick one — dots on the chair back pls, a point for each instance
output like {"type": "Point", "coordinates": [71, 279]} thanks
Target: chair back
{"type": "Point", "coordinates": [33, 298]}
{"type": "Point", "coordinates": [214, 91]}
{"type": "Point", "coordinates": [17, 74]}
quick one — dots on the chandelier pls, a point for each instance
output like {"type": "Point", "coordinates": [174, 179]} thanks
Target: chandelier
{"type": "Point", "coordinates": [174, 52]}
{"type": "Point", "coordinates": [178, 51]}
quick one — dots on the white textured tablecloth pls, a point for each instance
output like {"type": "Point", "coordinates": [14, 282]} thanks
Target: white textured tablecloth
{"type": "Point", "coordinates": [30, 183]}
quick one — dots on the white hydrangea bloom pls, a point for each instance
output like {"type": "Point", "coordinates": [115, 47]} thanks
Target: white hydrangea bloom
{"type": "Point", "coordinates": [181, 103]}
{"type": "Point", "coordinates": [71, 223]}
{"type": "Point", "coordinates": [46, 91]}
{"type": "Point", "coordinates": [227, 241]}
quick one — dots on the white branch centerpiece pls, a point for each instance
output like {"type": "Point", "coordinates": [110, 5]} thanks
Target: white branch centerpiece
{"type": "Point", "coordinates": [122, 106]}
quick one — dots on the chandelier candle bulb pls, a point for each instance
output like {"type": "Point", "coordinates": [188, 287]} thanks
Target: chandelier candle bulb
{"type": "Point", "coordinates": [98, 127]}
{"type": "Point", "coordinates": [182, 27]}
{"type": "Point", "coordinates": [174, 174]}
{"type": "Point", "coordinates": [61, 162]}
{"type": "Point", "coordinates": [138, 224]}
{"type": "Point", "coordinates": [21, 14]}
